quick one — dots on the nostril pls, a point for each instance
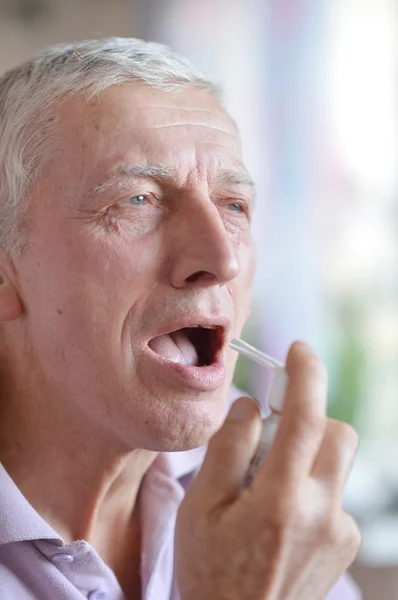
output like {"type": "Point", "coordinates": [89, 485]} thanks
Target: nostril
{"type": "Point", "coordinates": [200, 276]}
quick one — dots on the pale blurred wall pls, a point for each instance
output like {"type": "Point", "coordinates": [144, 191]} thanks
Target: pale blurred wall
{"type": "Point", "coordinates": [26, 26]}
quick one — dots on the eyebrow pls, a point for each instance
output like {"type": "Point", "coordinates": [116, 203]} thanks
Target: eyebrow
{"type": "Point", "coordinates": [167, 174]}
{"type": "Point", "coordinates": [158, 172]}
{"type": "Point", "coordinates": [236, 178]}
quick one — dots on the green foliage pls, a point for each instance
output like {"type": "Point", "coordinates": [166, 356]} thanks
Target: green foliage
{"type": "Point", "coordinates": [349, 365]}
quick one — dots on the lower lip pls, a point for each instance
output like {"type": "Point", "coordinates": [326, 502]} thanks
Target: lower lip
{"type": "Point", "coordinates": [203, 379]}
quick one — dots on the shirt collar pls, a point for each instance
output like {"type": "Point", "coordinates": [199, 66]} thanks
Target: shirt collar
{"type": "Point", "coordinates": [19, 520]}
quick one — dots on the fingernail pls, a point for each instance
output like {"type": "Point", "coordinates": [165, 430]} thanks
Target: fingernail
{"type": "Point", "coordinates": [243, 410]}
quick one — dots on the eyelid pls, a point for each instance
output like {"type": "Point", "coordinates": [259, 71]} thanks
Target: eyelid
{"type": "Point", "coordinates": [126, 197]}
{"type": "Point", "coordinates": [244, 203]}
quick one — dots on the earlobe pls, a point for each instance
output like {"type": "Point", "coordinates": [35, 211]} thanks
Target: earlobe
{"type": "Point", "coordinates": [10, 303]}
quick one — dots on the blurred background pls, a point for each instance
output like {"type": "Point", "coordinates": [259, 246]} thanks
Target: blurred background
{"type": "Point", "coordinates": [313, 85]}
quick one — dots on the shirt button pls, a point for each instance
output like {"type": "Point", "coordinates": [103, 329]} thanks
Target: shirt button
{"type": "Point", "coordinates": [62, 558]}
{"type": "Point", "coordinates": [98, 595]}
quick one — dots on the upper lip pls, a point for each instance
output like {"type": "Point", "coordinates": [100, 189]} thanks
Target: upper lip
{"type": "Point", "coordinates": [220, 322]}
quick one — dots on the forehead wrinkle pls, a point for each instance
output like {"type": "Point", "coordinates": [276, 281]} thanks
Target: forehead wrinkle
{"type": "Point", "coordinates": [185, 108]}
{"type": "Point", "coordinates": [194, 109]}
{"type": "Point", "coordinates": [218, 145]}
{"type": "Point", "coordinates": [194, 124]}
{"type": "Point", "coordinates": [219, 115]}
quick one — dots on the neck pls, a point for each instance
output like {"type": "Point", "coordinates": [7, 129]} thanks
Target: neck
{"type": "Point", "coordinates": [81, 484]}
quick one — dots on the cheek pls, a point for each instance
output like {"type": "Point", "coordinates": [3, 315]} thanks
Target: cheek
{"type": "Point", "coordinates": [80, 293]}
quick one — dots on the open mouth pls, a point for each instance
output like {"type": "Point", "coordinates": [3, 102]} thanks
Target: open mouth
{"type": "Point", "coordinates": [197, 346]}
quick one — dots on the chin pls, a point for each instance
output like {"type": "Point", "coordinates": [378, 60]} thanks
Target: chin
{"type": "Point", "coordinates": [190, 426]}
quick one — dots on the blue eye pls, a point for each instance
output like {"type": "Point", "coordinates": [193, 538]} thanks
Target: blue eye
{"type": "Point", "coordinates": [235, 206]}
{"type": "Point", "coordinates": [138, 200]}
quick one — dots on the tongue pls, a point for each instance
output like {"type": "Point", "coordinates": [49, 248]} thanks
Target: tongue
{"type": "Point", "coordinates": [176, 347]}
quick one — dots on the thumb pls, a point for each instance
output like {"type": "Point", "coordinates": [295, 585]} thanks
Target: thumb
{"type": "Point", "coordinates": [228, 456]}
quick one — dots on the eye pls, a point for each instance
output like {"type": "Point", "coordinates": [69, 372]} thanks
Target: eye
{"type": "Point", "coordinates": [235, 207]}
{"type": "Point", "coordinates": [139, 200]}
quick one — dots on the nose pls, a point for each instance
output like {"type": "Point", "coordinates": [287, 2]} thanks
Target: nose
{"type": "Point", "coordinates": [205, 253]}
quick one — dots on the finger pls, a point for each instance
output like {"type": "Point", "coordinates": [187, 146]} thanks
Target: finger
{"type": "Point", "coordinates": [336, 456]}
{"type": "Point", "coordinates": [229, 454]}
{"type": "Point", "coordinates": [303, 421]}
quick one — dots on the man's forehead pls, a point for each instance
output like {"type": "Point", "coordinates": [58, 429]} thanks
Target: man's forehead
{"type": "Point", "coordinates": [152, 105]}
{"type": "Point", "coordinates": [134, 130]}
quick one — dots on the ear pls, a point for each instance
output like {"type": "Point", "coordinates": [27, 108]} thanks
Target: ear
{"type": "Point", "coordinates": [10, 302]}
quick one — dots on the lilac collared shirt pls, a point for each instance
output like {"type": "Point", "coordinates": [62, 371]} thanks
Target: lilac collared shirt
{"type": "Point", "coordinates": [36, 564]}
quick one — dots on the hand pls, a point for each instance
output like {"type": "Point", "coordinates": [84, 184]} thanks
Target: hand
{"type": "Point", "coordinates": [286, 537]}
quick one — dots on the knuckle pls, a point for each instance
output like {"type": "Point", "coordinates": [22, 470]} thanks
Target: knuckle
{"type": "Point", "coordinates": [298, 518]}
{"type": "Point", "coordinates": [352, 540]}
{"type": "Point", "coordinates": [330, 533]}
{"type": "Point", "coordinates": [288, 513]}
{"type": "Point", "coordinates": [342, 534]}
{"type": "Point", "coordinates": [312, 421]}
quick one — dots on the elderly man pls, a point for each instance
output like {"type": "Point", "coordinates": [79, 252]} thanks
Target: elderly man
{"type": "Point", "coordinates": [126, 267]}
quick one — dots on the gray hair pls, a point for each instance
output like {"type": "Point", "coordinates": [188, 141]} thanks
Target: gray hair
{"type": "Point", "coordinates": [28, 93]}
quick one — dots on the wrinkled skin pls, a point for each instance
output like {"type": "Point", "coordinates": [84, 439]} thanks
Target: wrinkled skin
{"type": "Point", "coordinates": [102, 275]}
